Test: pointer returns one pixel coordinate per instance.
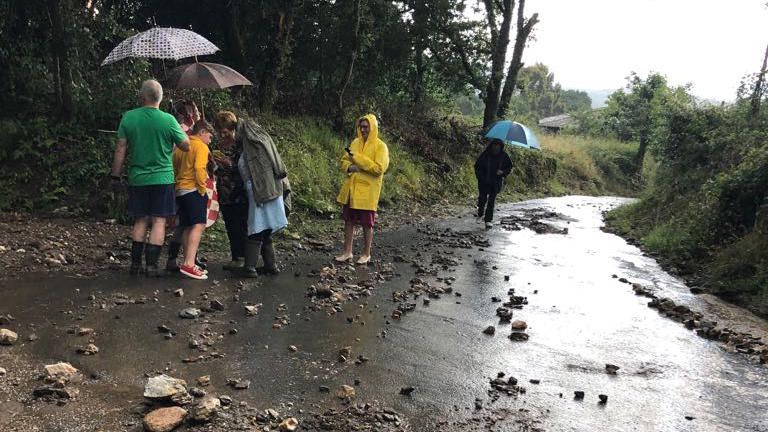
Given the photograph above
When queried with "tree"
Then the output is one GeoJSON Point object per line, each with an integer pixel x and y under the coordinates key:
{"type": "Point", "coordinates": [278, 53]}
{"type": "Point", "coordinates": [477, 50]}
{"type": "Point", "coordinates": [524, 30]}
{"type": "Point", "coordinates": [633, 113]}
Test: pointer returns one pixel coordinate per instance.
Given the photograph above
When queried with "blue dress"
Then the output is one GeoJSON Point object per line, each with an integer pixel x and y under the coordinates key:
{"type": "Point", "coordinates": [269, 215]}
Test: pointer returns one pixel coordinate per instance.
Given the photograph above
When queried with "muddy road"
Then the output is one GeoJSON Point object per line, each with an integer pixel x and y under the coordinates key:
{"type": "Point", "coordinates": [406, 333]}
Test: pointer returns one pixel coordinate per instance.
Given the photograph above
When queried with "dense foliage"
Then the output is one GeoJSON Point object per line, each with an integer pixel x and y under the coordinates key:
{"type": "Point", "coordinates": [706, 212]}
{"type": "Point", "coordinates": [407, 61]}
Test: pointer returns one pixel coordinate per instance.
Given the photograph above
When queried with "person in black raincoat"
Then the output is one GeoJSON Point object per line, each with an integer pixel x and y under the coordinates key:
{"type": "Point", "coordinates": [490, 169]}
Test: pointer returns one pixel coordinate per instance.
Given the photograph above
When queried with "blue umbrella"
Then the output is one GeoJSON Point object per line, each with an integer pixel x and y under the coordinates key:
{"type": "Point", "coordinates": [513, 133]}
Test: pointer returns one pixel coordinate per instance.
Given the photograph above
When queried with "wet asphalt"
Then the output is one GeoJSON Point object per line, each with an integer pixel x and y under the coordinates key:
{"type": "Point", "coordinates": [579, 318]}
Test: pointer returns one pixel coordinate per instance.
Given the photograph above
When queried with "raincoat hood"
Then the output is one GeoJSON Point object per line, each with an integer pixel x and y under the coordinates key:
{"type": "Point", "coordinates": [373, 135]}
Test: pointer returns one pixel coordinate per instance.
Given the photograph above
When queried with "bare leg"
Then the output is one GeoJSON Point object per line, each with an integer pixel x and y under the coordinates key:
{"type": "Point", "coordinates": [139, 229]}
{"type": "Point", "coordinates": [192, 237]}
{"type": "Point", "coordinates": [349, 237]}
{"type": "Point", "coordinates": [157, 235]}
{"type": "Point", "coordinates": [368, 236]}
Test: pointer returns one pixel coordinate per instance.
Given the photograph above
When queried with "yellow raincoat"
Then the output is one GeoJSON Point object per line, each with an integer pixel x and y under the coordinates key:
{"type": "Point", "coordinates": [361, 190]}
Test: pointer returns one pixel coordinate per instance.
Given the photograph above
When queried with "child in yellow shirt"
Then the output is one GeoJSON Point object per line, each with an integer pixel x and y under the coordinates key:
{"type": "Point", "coordinates": [191, 198]}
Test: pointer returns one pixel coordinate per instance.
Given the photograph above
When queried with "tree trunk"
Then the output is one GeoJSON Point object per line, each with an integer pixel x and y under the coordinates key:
{"type": "Point", "coordinates": [420, 18]}
{"type": "Point", "coordinates": [524, 30]}
{"type": "Point", "coordinates": [279, 56]}
{"type": "Point", "coordinates": [500, 42]}
{"type": "Point", "coordinates": [59, 11]}
{"type": "Point", "coordinates": [757, 95]}
{"type": "Point", "coordinates": [640, 156]}
{"type": "Point", "coordinates": [233, 35]}
{"type": "Point", "coordinates": [357, 14]}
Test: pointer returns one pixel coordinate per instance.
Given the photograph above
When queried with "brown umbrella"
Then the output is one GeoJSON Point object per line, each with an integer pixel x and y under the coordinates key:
{"type": "Point", "coordinates": [204, 76]}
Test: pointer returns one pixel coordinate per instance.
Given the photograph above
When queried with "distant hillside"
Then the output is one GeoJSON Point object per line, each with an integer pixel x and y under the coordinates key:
{"type": "Point", "coordinates": [599, 96]}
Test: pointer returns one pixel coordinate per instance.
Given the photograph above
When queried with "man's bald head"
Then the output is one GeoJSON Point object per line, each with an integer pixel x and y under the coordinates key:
{"type": "Point", "coordinates": [151, 93]}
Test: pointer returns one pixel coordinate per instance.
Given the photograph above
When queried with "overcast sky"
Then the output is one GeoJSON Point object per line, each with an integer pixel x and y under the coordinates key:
{"type": "Point", "coordinates": [594, 44]}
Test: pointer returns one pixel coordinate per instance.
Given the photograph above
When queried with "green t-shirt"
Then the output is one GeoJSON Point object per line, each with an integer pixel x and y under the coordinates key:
{"type": "Point", "coordinates": [151, 135]}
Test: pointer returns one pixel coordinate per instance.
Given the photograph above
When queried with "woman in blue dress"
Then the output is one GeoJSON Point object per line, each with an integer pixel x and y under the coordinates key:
{"type": "Point", "coordinates": [265, 183]}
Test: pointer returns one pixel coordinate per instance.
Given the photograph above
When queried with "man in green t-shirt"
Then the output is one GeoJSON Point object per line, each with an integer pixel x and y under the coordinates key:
{"type": "Point", "coordinates": [148, 135]}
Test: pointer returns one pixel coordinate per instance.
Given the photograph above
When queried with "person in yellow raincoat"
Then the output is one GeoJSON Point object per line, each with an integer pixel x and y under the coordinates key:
{"type": "Point", "coordinates": [364, 164]}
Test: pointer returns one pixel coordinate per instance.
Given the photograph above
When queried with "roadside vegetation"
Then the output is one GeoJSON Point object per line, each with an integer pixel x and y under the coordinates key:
{"type": "Point", "coordinates": [704, 213]}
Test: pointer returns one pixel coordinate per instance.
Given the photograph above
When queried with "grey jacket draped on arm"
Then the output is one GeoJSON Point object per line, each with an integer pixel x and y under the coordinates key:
{"type": "Point", "coordinates": [268, 173]}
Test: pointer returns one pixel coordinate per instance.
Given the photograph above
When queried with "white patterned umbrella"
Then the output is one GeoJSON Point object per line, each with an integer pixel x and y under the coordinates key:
{"type": "Point", "coordinates": [163, 43]}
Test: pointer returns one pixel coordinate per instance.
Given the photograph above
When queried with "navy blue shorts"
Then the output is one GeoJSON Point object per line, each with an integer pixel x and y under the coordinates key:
{"type": "Point", "coordinates": [193, 209]}
{"type": "Point", "coordinates": [151, 200]}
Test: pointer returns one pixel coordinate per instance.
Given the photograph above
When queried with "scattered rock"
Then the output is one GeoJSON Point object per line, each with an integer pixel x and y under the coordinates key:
{"type": "Point", "coordinates": [292, 348]}
{"type": "Point", "coordinates": [225, 400]}
{"type": "Point", "coordinates": [8, 337]}
{"type": "Point", "coordinates": [217, 305]}
{"type": "Point", "coordinates": [48, 391]}
{"type": "Point", "coordinates": [239, 384]}
{"type": "Point", "coordinates": [611, 369]}
{"type": "Point", "coordinates": [603, 398]}
{"type": "Point", "coordinates": [345, 392]}
{"type": "Point", "coordinates": [179, 292]}
{"type": "Point", "coordinates": [88, 350]}
{"type": "Point", "coordinates": [206, 409]}
{"type": "Point", "coordinates": [490, 330]}
{"type": "Point", "coordinates": [324, 389]}
{"type": "Point", "coordinates": [252, 310]}
{"type": "Point", "coordinates": [407, 390]}
{"type": "Point", "coordinates": [534, 381]}
{"type": "Point", "coordinates": [164, 419]}
{"type": "Point", "coordinates": [164, 387]}
{"type": "Point", "coordinates": [61, 372]}
{"type": "Point", "coordinates": [3, 372]}
{"type": "Point", "coordinates": [578, 395]}
{"type": "Point", "coordinates": [190, 313]}
{"type": "Point", "coordinates": [519, 325]}
{"type": "Point", "coordinates": [289, 425]}
{"type": "Point", "coordinates": [85, 331]}
{"type": "Point", "coordinates": [204, 381]}
{"type": "Point", "coordinates": [519, 336]}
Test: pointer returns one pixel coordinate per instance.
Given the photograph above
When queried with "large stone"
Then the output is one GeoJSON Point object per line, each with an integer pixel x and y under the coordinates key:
{"type": "Point", "coordinates": [163, 386]}
{"type": "Point", "coordinates": [164, 419]}
{"type": "Point", "coordinates": [60, 372]}
{"type": "Point", "coordinates": [8, 337]}
{"type": "Point", "coordinates": [206, 409]}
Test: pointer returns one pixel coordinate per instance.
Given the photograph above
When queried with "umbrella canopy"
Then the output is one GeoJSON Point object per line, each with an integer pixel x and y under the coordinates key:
{"type": "Point", "coordinates": [513, 133]}
{"type": "Point", "coordinates": [163, 43]}
{"type": "Point", "coordinates": [204, 76]}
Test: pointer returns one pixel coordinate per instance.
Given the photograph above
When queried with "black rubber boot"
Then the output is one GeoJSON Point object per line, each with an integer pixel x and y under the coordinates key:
{"type": "Point", "coordinates": [152, 256]}
{"type": "Point", "coordinates": [268, 254]}
{"type": "Point", "coordinates": [137, 251]}
{"type": "Point", "coordinates": [235, 265]}
{"type": "Point", "coordinates": [252, 251]}
{"type": "Point", "coordinates": [171, 266]}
